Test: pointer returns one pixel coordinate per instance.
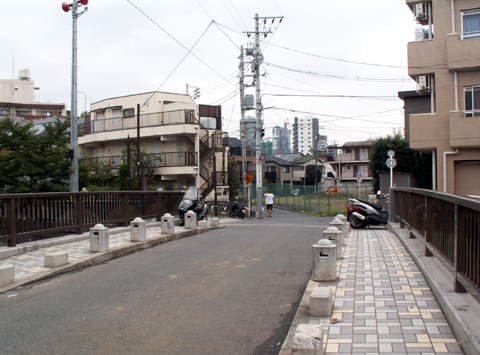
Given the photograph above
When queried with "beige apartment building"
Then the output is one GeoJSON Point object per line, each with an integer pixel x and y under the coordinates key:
{"type": "Point", "coordinates": [445, 62]}
{"type": "Point", "coordinates": [186, 139]}
{"type": "Point", "coordinates": [17, 100]}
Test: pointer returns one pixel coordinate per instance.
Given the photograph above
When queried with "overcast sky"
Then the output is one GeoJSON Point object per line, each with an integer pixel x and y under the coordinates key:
{"type": "Point", "coordinates": [342, 61]}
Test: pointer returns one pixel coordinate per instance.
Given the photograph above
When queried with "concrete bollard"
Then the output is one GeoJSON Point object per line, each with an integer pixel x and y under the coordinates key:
{"type": "Point", "coordinates": [7, 275]}
{"type": "Point", "coordinates": [341, 227]}
{"type": "Point", "coordinates": [168, 224]}
{"type": "Point", "coordinates": [215, 222]}
{"type": "Point", "coordinates": [56, 259]}
{"type": "Point", "coordinates": [308, 340]}
{"type": "Point", "coordinates": [138, 230]}
{"type": "Point", "coordinates": [99, 241]}
{"type": "Point", "coordinates": [202, 224]}
{"type": "Point", "coordinates": [190, 220]}
{"type": "Point", "coordinates": [321, 302]}
{"type": "Point", "coordinates": [335, 236]}
{"type": "Point", "coordinates": [324, 261]}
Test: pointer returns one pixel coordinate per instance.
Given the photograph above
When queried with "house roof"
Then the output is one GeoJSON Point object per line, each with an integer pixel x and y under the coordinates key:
{"type": "Point", "coordinates": [278, 161]}
{"type": "Point", "coordinates": [289, 156]}
{"type": "Point", "coordinates": [357, 144]}
{"type": "Point", "coordinates": [233, 142]}
{"type": "Point", "coordinates": [302, 160]}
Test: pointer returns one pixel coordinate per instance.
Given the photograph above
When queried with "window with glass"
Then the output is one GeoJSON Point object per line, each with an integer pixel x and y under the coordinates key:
{"type": "Point", "coordinates": [286, 169]}
{"type": "Point", "coordinates": [472, 101]}
{"type": "Point", "coordinates": [471, 23]}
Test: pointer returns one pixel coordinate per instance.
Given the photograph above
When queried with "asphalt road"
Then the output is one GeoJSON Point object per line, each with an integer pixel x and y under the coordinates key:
{"type": "Point", "coordinates": [229, 291]}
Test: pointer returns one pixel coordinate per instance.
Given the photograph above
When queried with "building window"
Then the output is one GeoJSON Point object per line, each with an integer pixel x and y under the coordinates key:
{"type": "Point", "coordinates": [286, 169]}
{"type": "Point", "coordinates": [180, 152]}
{"type": "Point", "coordinates": [471, 23]}
{"type": "Point", "coordinates": [129, 112]}
{"type": "Point", "coordinates": [472, 101]}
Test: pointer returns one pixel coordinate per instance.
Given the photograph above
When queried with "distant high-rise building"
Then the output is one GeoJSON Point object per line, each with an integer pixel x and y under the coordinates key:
{"type": "Point", "coordinates": [305, 135]}
{"type": "Point", "coordinates": [283, 141]}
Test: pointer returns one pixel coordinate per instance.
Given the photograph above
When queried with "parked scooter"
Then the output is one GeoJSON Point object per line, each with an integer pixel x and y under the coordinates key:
{"type": "Point", "coordinates": [237, 211]}
{"type": "Point", "coordinates": [191, 202]}
{"type": "Point", "coordinates": [363, 213]}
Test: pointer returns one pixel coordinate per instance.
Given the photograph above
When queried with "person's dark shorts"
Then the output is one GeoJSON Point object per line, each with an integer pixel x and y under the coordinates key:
{"type": "Point", "coordinates": [270, 207]}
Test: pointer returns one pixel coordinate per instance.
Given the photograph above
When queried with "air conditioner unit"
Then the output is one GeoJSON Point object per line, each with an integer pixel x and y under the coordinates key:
{"type": "Point", "coordinates": [420, 11]}
{"type": "Point", "coordinates": [423, 84]}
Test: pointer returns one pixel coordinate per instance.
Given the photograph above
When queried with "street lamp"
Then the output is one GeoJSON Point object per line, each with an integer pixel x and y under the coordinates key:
{"type": "Point", "coordinates": [73, 123]}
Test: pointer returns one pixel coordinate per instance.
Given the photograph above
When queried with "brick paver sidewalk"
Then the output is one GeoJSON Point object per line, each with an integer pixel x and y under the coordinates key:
{"type": "Point", "coordinates": [383, 304]}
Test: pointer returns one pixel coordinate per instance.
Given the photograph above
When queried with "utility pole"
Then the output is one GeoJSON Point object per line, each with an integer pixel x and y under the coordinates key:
{"type": "Point", "coordinates": [258, 108]}
{"type": "Point", "coordinates": [73, 110]}
{"type": "Point", "coordinates": [242, 119]}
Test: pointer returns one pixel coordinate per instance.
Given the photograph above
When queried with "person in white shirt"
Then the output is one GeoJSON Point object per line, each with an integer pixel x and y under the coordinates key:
{"type": "Point", "coordinates": [269, 200]}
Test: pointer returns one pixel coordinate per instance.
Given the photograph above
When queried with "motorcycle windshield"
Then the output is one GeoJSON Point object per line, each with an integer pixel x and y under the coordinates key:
{"type": "Point", "coordinates": [191, 193]}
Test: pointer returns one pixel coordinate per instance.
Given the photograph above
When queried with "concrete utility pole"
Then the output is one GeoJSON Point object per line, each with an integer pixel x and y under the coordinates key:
{"type": "Point", "coordinates": [258, 108]}
{"type": "Point", "coordinates": [73, 109]}
{"type": "Point", "coordinates": [242, 118]}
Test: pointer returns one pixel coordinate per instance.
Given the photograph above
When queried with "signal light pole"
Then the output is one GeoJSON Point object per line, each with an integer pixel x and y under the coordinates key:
{"type": "Point", "coordinates": [73, 109]}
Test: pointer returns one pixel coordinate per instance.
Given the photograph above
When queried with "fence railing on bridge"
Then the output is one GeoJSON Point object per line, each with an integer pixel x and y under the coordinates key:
{"type": "Point", "coordinates": [450, 225]}
{"type": "Point", "coordinates": [26, 216]}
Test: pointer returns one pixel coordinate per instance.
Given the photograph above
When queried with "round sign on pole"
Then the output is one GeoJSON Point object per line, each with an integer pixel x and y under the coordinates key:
{"type": "Point", "coordinates": [391, 153]}
{"type": "Point", "coordinates": [391, 163]}
{"type": "Point", "coordinates": [262, 157]}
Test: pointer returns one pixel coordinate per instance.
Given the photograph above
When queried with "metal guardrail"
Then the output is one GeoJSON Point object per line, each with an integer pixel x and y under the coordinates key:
{"type": "Point", "coordinates": [450, 225]}
{"type": "Point", "coordinates": [23, 216]}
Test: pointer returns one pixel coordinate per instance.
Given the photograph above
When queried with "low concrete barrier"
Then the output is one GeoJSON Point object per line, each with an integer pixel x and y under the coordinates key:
{"type": "Point", "coordinates": [99, 241]}
{"type": "Point", "coordinates": [308, 340]}
{"type": "Point", "coordinates": [56, 259]}
{"type": "Point", "coordinates": [214, 222]}
{"type": "Point", "coordinates": [324, 261]}
{"type": "Point", "coordinates": [7, 275]}
{"type": "Point", "coordinates": [138, 230]}
{"type": "Point", "coordinates": [202, 224]}
{"type": "Point", "coordinates": [190, 220]}
{"type": "Point", "coordinates": [321, 302]}
{"type": "Point", "coordinates": [168, 224]}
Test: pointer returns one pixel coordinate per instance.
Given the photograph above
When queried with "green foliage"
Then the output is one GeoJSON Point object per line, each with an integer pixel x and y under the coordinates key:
{"type": "Point", "coordinates": [122, 177]}
{"type": "Point", "coordinates": [310, 174]}
{"type": "Point", "coordinates": [148, 162]}
{"type": "Point", "coordinates": [408, 160]}
{"type": "Point", "coordinates": [32, 162]}
{"type": "Point", "coordinates": [233, 178]}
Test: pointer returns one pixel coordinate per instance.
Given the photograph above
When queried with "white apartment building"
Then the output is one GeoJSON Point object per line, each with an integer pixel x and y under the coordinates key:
{"type": "Point", "coordinates": [305, 135]}
{"type": "Point", "coordinates": [185, 138]}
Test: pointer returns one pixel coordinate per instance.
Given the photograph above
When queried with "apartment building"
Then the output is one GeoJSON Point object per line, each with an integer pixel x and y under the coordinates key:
{"type": "Point", "coordinates": [445, 63]}
{"type": "Point", "coordinates": [353, 159]}
{"type": "Point", "coordinates": [282, 141]}
{"type": "Point", "coordinates": [305, 135]}
{"type": "Point", "coordinates": [186, 139]}
{"type": "Point", "coordinates": [17, 99]}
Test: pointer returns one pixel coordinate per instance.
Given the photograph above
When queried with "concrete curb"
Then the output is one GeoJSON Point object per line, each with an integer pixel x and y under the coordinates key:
{"type": "Point", "coordinates": [460, 309]}
{"type": "Point", "coordinates": [101, 257]}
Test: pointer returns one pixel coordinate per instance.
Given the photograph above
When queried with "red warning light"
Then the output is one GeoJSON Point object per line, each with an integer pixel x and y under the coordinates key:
{"type": "Point", "coordinates": [84, 2]}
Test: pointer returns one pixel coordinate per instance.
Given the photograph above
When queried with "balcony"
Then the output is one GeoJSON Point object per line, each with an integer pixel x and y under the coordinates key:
{"type": "Point", "coordinates": [464, 130]}
{"type": "Point", "coordinates": [146, 120]}
{"type": "Point", "coordinates": [462, 54]}
{"type": "Point", "coordinates": [425, 54]}
{"type": "Point", "coordinates": [160, 160]}
{"type": "Point", "coordinates": [426, 130]}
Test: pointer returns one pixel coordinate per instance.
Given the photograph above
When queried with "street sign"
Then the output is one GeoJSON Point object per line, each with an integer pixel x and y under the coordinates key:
{"type": "Point", "coordinates": [327, 190]}
{"type": "Point", "coordinates": [259, 188]}
{"type": "Point", "coordinates": [391, 163]}
{"type": "Point", "coordinates": [262, 157]}
{"type": "Point", "coordinates": [334, 190]}
{"type": "Point", "coordinates": [391, 153]}
{"type": "Point", "coordinates": [248, 178]}
{"type": "Point", "coordinates": [359, 177]}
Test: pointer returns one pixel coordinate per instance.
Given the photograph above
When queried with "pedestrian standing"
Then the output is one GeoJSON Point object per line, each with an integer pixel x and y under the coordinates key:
{"type": "Point", "coordinates": [269, 200]}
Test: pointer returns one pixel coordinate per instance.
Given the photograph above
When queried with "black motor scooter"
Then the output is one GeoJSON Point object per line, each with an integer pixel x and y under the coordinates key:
{"type": "Point", "coordinates": [190, 202]}
{"type": "Point", "coordinates": [237, 211]}
{"type": "Point", "coordinates": [363, 213]}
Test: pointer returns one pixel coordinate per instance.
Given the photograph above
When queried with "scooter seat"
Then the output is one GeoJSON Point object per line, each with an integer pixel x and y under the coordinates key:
{"type": "Point", "coordinates": [377, 206]}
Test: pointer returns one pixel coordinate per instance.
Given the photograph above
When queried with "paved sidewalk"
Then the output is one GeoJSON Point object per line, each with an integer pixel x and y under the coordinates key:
{"type": "Point", "coordinates": [382, 303]}
{"type": "Point", "coordinates": [29, 260]}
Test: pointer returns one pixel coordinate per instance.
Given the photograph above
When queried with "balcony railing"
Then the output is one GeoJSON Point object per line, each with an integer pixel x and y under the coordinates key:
{"type": "Point", "coordinates": [146, 120]}
{"type": "Point", "coordinates": [159, 160]}
{"type": "Point", "coordinates": [450, 225]}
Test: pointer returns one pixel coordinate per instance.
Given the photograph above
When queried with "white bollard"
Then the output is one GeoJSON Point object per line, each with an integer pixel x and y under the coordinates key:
{"type": "Point", "coordinates": [138, 230]}
{"type": "Point", "coordinates": [215, 222]}
{"type": "Point", "coordinates": [335, 236]}
{"type": "Point", "coordinates": [321, 302]}
{"type": "Point", "coordinates": [324, 261]}
{"type": "Point", "coordinates": [56, 259]}
{"type": "Point", "coordinates": [308, 340]}
{"type": "Point", "coordinates": [341, 227]}
{"type": "Point", "coordinates": [7, 275]}
{"type": "Point", "coordinates": [168, 224]}
{"type": "Point", "coordinates": [202, 224]}
{"type": "Point", "coordinates": [99, 241]}
{"type": "Point", "coordinates": [190, 220]}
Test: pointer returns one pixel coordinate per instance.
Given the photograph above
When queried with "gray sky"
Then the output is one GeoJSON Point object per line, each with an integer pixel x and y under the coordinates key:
{"type": "Point", "coordinates": [121, 51]}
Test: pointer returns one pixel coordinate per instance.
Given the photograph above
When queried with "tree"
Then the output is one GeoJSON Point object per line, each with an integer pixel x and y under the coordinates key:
{"type": "Point", "coordinates": [233, 178]}
{"type": "Point", "coordinates": [310, 174]}
{"type": "Point", "coordinates": [33, 162]}
{"type": "Point", "coordinates": [408, 160]}
{"type": "Point", "coordinates": [148, 162]}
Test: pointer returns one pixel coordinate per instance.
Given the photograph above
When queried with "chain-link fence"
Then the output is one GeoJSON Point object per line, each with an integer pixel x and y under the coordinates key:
{"type": "Point", "coordinates": [321, 200]}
